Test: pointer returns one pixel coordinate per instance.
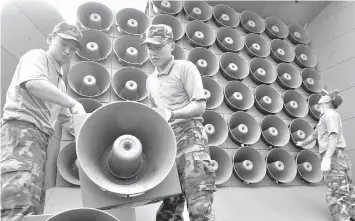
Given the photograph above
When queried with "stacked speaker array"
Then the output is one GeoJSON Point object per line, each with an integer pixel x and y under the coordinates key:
{"type": "Point", "coordinates": [259, 78]}
{"type": "Point", "coordinates": [261, 86]}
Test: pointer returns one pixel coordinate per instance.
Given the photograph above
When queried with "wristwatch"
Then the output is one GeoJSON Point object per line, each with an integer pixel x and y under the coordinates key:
{"type": "Point", "coordinates": [172, 117]}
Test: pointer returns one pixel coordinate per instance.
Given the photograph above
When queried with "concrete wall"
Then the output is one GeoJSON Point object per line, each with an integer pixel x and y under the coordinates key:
{"type": "Point", "coordinates": [333, 34]}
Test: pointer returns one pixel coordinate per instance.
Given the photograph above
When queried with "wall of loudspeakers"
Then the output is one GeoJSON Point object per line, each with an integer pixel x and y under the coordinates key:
{"type": "Point", "coordinates": [259, 77]}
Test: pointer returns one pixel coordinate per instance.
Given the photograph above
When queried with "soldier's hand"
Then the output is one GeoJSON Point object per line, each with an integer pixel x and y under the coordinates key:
{"type": "Point", "coordinates": [299, 143]}
{"type": "Point", "coordinates": [78, 109]}
{"type": "Point", "coordinates": [325, 165]}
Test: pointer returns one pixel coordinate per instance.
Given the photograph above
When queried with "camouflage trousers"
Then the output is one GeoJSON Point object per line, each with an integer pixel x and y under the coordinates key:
{"type": "Point", "coordinates": [340, 196]}
{"type": "Point", "coordinates": [197, 177]}
{"type": "Point", "coordinates": [23, 155]}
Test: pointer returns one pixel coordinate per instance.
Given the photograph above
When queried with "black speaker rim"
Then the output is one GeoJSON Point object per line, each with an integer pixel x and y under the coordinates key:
{"type": "Point", "coordinates": [98, 3]}
{"type": "Point", "coordinates": [123, 32]}
{"type": "Point", "coordinates": [270, 32]}
{"type": "Point", "coordinates": [161, 12]}
{"type": "Point", "coordinates": [246, 29]}
{"type": "Point", "coordinates": [191, 18]}
{"type": "Point", "coordinates": [234, 139]}
{"type": "Point", "coordinates": [219, 24]}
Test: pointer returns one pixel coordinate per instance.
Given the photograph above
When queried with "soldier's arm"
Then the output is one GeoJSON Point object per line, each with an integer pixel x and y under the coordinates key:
{"type": "Point", "coordinates": [65, 119]}
{"type": "Point", "coordinates": [192, 82]}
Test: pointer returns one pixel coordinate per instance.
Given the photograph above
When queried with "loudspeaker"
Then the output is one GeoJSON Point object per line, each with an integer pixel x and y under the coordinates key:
{"type": "Point", "coordinates": [89, 79]}
{"type": "Point", "coordinates": [225, 165]}
{"type": "Point", "coordinates": [178, 53]}
{"type": "Point", "coordinates": [238, 96]}
{"type": "Point", "coordinates": [274, 131]}
{"type": "Point", "coordinates": [213, 92]}
{"type": "Point", "coordinates": [301, 130]}
{"type": "Point", "coordinates": [243, 128]}
{"type": "Point", "coordinates": [249, 165]}
{"type": "Point", "coordinates": [261, 71]}
{"type": "Point", "coordinates": [205, 61]}
{"type": "Point", "coordinates": [130, 52]}
{"type": "Point", "coordinates": [199, 34]}
{"type": "Point", "coordinates": [288, 77]}
{"type": "Point", "coordinates": [295, 105]}
{"type": "Point", "coordinates": [174, 23]}
{"type": "Point", "coordinates": [216, 128]}
{"type": "Point", "coordinates": [90, 105]}
{"type": "Point", "coordinates": [275, 28]}
{"type": "Point", "coordinates": [88, 214]}
{"type": "Point", "coordinates": [197, 10]}
{"type": "Point", "coordinates": [131, 21]}
{"type": "Point", "coordinates": [305, 57]}
{"type": "Point", "coordinates": [298, 34]}
{"type": "Point", "coordinates": [233, 67]}
{"type": "Point", "coordinates": [94, 15]}
{"type": "Point", "coordinates": [122, 157]}
{"type": "Point", "coordinates": [167, 7]}
{"type": "Point", "coordinates": [68, 165]}
{"type": "Point", "coordinates": [281, 167]}
{"type": "Point", "coordinates": [97, 46]}
{"type": "Point", "coordinates": [224, 15]}
{"type": "Point", "coordinates": [129, 83]}
{"type": "Point", "coordinates": [229, 40]}
{"type": "Point", "coordinates": [281, 52]}
{"type": "Point", "coordinates": [256, 46]}
{"type": "Point", "coordinates": [312, 81]}
{"type": "Point", "coordinates": [308, 166]}
{"type": "Point", "coordinates": [314, 108]}
{"type": "Point", "coordinates": [252, 22]}
{"type": "Point", "coordinates": [268, 100]}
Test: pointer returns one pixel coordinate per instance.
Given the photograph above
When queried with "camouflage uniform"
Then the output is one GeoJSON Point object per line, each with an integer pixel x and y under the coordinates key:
{"type": "Point", "coordinates": [340, 196]}
{"type": "Point", "coordinates": [23, 155]}
{"type": "Point", "coordinates": [197, 177]}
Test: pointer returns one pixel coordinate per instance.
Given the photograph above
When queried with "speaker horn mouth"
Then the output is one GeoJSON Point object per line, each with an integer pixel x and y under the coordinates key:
{"type": "Point", "coordinates": [280, 166]}
{"type": "Point", "coordinates": [131, 21]}
{"type": "Point", "coordinates": [197, 10]}
{"type": "Point", "coordinates": [312, 81]}
{"type": "Point", "coordinates": [233, 67]}
{"type": "Point", "coordinates": [288, 77]}
{"type": "Point", "coordinates": [229, 40]}
{"type": "Point", "coordinates": [298, 34]}
{"type": "Point", "coordinates": [130, 52]}
{"type": "Point", "coordinates": [88, 214]}
{"type": "Point", "coordinates": [225, 16]}
{"type": "Point", "coordinates": [68, 165]}
{"type": "Point", "coordinates": [275, 28]}
{"type": "Point", "coordinates": [216, 128]}
{"type": "Point", "coordinates": [243, 128]}
{"type": "Point", "coordinates": [90, 105]}
{"type": "Point", "coordinates": [268, 100]}
{"type": "Point", "coordinates": [295, 105]}
{"type": "Point", "coordinates": [274, 131]}
{"type": "Point", "coordinates": [261, 71]}
{"type": "Point", "coordinates": [224, 162]}
{"type": "Point", "coordinates": [213, 92]}
{"type": "Point", "coordinates": [167, 7]}
{"type": "Point", "coordinates": [199, 34]}
{"type": "Point", "coordinates": [205, 61]}
{"type": "Point", "coordinates": [308, 167]}
{"type": "Point", "coordinates": [314, 108]}
{"type": "Point", "coordinates": [281, 52]}
{"type": "Point", "coordinates": [300, 130]}
{"type": "Point", "coordinates": [305, 57]}
{"type": "Point", "coordinates": [238, 96]}
{"type": "Point", "coordinates": [94, 16]}
{"type": "Point", "coordinates": [252, 22]}
{"type": "Point", "coordinates": [256, 46]}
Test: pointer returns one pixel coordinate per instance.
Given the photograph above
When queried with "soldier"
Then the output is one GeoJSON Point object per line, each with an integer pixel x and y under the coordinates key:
{"type": "Point", "coordinates": [35, 101]}
{"type": "Point", "coordinates": [176, 86]}
{"type": "Point", "coordinates": [335, 163]}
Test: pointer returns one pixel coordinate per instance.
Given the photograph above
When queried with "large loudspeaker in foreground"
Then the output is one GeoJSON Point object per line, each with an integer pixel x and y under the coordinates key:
{"type": "Point", "coordinates": [312, 81]}
{"type": "Point", "coordinates": [197, 10]}
{"type": "Point", "coordinates": [131, 21]}
{"type": "Point", "coordinates": [274, 131]}
{"type": "Point", "coordinates": [229, 40]}
{"type": "Point", "coordinates": [94, 15]}
{"type": "Point", "coordinates": [267, 100]}
{"type": "Point", "coordinates": [243, 128]}
{"type": "Point", "coordinates": [97, 46]}
{"type": "Point", "coordinates": [281, 167]}
{"type": "Point", "coordinates": [301, 130]}
{"type": "Point", "coordinates": [314, 108]}
{"type": "Point", "coordinates": [288, 77]}
{"type": "Point", "coordinates": [256, 46]}
{"type": "Point", "coordinates": [249, 165]}
{"type": "Point", "coordinates": [225, 165]}
{"type": "Point", "coordinates": [252, 22]}
{"type": "Point", "coordinates": [213, 92]}
{"type": "Point", "coordinates": [129, 83]}
{"type": "Point", "coordinates": [308, 166]}
{"type": "Point", "coordinates": [233, 67]}
{"type": "Point", "coordinates": [295, 105]}
{"type": "Point", "coordinates": [205, 61]}
{"type": "Point", "coordinates": [120, 153]}
{"type": "Point", "coordinates": [262, 71]}
{"type": "Point", "coordinates": [174, 23]}
{"type": "Point", "coordinates": [215, 127]}
{"type": "Point", "coordinates": [167, 7]}
{"type": "Point", "coordinates": [90, 105]}
{"type": "Point", "coordinates": [275, 28]}
{"type": "Point", "coordinates": [89, 79]}
{"type": "Point", "coordinates": [298, 34]}
{"type": "Point", "coordinates": [224, 15]}
{"type": "Point", "coordinates": [178, 53]}
{"type": "Point", "coordinates": [238, 96]}
{"type": "Point", "coordinates": [68, 165]}
{"type": "Point", "coordinates": [87, 214]}
{"type": "Point", "coordinates": [281, 51]}
{"type": "Point", "coordinates": [305, 57]}
{"type": "Point", "coordinates": [129, 51]}
{"type": "Point", "coordinates": [199, 34]}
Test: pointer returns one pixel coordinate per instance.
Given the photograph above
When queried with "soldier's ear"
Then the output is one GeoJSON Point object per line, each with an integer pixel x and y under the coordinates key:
{"type": "Point", "coordinates": [172, 45]}
{"type": "Point", "coordinates": [49, 39]}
